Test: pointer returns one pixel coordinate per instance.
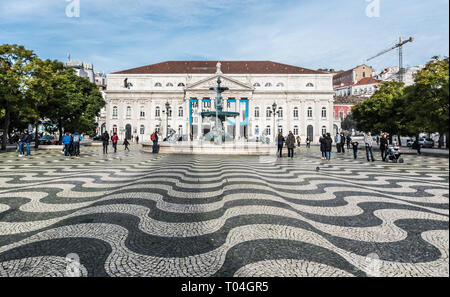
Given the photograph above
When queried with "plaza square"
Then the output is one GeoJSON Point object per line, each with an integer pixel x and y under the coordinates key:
{"type": "Point", "coordinates": [141, 214]}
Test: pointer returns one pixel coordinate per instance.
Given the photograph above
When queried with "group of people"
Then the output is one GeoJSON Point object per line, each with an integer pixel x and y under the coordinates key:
{"type": "Point", "coordinates": [24, 141]}
{"type": "Point", "coordinates": [71, 144]}
{"type": "Point", "coordinates": [114, 140]}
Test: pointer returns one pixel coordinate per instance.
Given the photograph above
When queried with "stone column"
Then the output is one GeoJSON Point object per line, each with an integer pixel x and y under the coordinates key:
{"type": "Point", "coordinates": [238, 118]}
{"type": "Point", "coordinates": [317, 118]}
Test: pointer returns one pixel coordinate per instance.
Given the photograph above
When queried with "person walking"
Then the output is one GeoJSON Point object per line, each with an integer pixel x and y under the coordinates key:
{"type": "Point", "coordinates": [323, 146]}
{"type": "Point", "coordinates": [338, 142]}
{"type": "Point", "coordinates": [105, 140]}
{"type": "Point", "coordinates": [308, 142]}
{"type": "Point", "coordinates": [126, 143]}
{"type": "Point", "coordinates": [21, 144]}
{"type": "Point", "coordinates": [349, 141]}
{"type": "Point", "coordinates": [114, 140]}
{"type": "Point", "coordinates": [299, 141]}
{"type": "Point", "coordinates": [154, 138]}
{"type": "Point", "coordinates": [368, 140]}
{"type": "Point", "coordinates": [290, 143]}
{"type": "Point", "coordinates": [280, 141]}
{"type": "Point", "coordinates": [66, 139]}
{"type": "Point", "coordinates": [383, 146]}
{"type": "Point", "coordinates": [137, 139]}
{"type": "Point", "coordinates": [76, 143]}
{"type": "Point", "coordinates": [355, 145]}
{"type": "Point", "coordinates": [328, 146]}
{"type": "Point", "coordinates": [343, 143]}
{"type": "Point", "coordinates": [27, 140]}
{"type": "Point", "coordinates": [416, 145]}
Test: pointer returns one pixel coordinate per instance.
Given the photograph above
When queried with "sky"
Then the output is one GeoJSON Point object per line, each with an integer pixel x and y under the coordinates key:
{"type": "Point", "coordinates": [116, 35]}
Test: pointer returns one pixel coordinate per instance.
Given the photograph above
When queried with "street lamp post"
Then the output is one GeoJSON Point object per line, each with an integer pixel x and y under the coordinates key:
{"type": "Point", "coordinates": [167, 119]}
{"type": "Point", "coordinates": [274, 108]}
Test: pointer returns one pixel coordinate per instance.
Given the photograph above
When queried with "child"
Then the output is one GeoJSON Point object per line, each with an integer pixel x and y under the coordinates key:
{"type": "Point", "coordinates": [355, 149]}
{"type": "Point", "coordinates": [126, 144]}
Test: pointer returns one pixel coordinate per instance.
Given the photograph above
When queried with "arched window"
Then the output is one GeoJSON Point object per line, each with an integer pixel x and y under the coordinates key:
{"type": "Point", "coordinates": [180, 111]}
{"type": "Point", "coordinates": [341, 115]}
{"type": "Point", "coordinates": [280, 129]}
{"type": "Point", "coordinates": [280, 112]}
{"type": "Point", "coordinates": [324, 130]}
{"type": "Point", "coordinates": [142, 130]}
{"type": "Point", "coordinates": [324, 112]}
{"type": "Point", "coordinates": [256, 112]}
{"type": "Point", "coordinates": [158, 84]}
{"type": "Point", "coordinates": [157, 112]}
{"type": "Point", "coordinates": [128, 112]}
{"type": "Point", "coordinates": [309, 85]}
{"type": "Point", "coordinates": [142, 112]}
{"type": "Point", "coordinates": [114, 113]}
{"type": "Point", "coordinates": [180, 130]}
{"type": "Point", "coordinates": [157, 129]}
{"type": "Point", "coordinates": [310, 112]}
{"type": "Point", "coordinates": [296, 112]}
{"type": "Point", "coordinates": [268, 85]}
{"type": "Point", "coordinates": [296, 130]}
{"type": "Point", "coordinates": [114, 129]}
{"type": "Point", "coordinates": [280, 84]}
{"type": "Point", "coordinates": [169, 84]}
{"type": "Point", "coordinates": [181, 85]}
{"type": "Point", "coordinates": [268, 112]}
{"type": "Point", "coordinates": [268, 132]}
{"type": "Point", "coordinates": [256, 84]}
{"type": "Point", "coordinates": [169, 112]}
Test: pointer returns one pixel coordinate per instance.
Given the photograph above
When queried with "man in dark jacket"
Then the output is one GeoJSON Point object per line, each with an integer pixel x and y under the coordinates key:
{"type": "Point", "coordinates": [280, 141]}
{"type": "Point", "coordinates": [328, 146]}
{"type": "Point", "coordinates": [322, 146]}
{"type": "Point", "coordinates": [76, 143]}
{"type": "Point", "coordinates": [383, 146]}
{"type": "Point", "coordinates": [290, 143]}
{"type": "Point", "coordinates": [342, 143]}
{"type": "Point", "coordinates": [105, 139]}
{"type": "Point", "coordinates": [26, 140]}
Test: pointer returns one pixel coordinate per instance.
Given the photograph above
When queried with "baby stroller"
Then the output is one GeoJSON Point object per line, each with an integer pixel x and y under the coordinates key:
{"type": "Point", "coordinates": [393, 153]}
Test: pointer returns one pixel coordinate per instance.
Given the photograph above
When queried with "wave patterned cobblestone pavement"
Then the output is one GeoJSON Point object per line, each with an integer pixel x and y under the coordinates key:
{"type": "Point", "coordinates": [138, 214]}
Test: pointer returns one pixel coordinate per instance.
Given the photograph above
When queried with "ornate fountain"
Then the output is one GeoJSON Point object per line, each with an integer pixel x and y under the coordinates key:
{"type": "Point", "coordinates": [218, 134]}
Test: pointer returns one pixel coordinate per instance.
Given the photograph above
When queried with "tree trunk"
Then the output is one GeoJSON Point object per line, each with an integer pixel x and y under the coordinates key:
{"type": "Point", "coordinates": [446, 140]}
{"type": "Point", "coordinates": [399, 140]}
{"type": "Point", "coordinates": [60, 131]}
{"type": "Point", "coordinates": [441, 140]}
{"type": "Point", "coordinates": [6, 128]}
{"type": "Point", "coordinates": [36, 137]}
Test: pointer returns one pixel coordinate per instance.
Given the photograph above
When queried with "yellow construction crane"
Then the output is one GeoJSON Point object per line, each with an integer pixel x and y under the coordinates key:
{"type": "Point", "coordinates": [399, 45]}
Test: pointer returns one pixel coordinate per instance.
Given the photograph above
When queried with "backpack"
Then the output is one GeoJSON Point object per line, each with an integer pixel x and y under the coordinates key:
{"type": "Point", "coordinates": [153, 137]}
{"type": "Point", "coordinates": [76, 138]}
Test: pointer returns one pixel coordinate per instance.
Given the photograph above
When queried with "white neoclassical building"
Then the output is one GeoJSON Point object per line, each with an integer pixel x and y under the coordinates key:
{"type": "Point", "coordinates": [137, 99]}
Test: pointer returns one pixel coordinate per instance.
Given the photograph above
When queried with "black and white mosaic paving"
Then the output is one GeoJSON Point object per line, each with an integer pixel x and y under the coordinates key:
{"type": "Point", "coordinates": [138, 214]}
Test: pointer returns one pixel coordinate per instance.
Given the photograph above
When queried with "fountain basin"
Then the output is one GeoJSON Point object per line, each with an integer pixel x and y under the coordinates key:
{"type": "Point", "coordinates": [209, 148]}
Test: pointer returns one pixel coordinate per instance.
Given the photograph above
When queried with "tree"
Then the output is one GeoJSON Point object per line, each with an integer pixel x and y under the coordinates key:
{"type": "Point", "coordinates": [427, 101]}
{"type": "Point", "coordinates": [14, 60]}
{"type": "Point", "coordinates": [383, 112]}
{"type": "Point", "coordinates": [77, 100]}
{"type": "Point", "coordinates": [348, 123]}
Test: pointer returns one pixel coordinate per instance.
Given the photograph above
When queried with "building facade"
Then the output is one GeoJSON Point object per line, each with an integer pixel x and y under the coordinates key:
{"type": "Point", "coordinates": [137, 99]}
{"type": "Point", "coordinates": [392, 74]}
{"type": "Point", "coordinates": [352, 76]}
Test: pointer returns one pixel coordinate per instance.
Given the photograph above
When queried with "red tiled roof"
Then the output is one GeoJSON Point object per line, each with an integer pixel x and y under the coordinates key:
{"type": "Point", "coordinates": [367, 81]}
{"type": "Point", "coordinates": [231, 67]}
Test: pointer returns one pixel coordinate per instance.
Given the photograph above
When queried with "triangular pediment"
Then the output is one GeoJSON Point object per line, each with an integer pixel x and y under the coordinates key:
{"type": "Point", "coordinates": [206, 84]}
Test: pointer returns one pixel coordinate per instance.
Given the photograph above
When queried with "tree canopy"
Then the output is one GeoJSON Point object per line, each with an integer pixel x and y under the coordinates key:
{"type": "Point", "coordinates": [32, 90]}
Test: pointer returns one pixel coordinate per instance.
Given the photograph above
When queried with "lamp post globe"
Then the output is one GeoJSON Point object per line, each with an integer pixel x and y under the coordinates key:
{"type": "Point", "coordinates": [274, 108]}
